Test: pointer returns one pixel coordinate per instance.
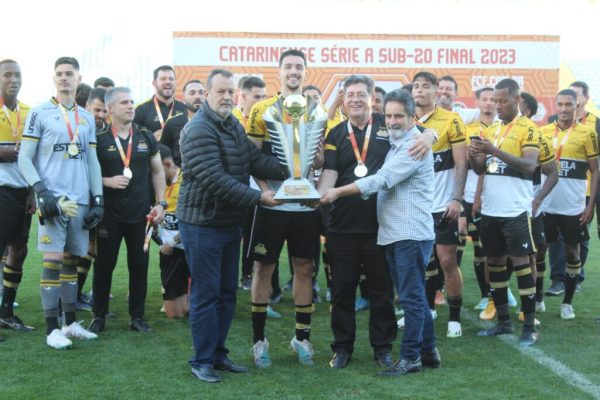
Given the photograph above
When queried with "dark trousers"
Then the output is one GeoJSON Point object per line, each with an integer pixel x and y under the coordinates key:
{"type": "Point", "coordinates": [212, 255]}
{"type": "Point", "coordinates": [407, 261]}
{"type": "Point", "coordinates": [347, 254]}
{"type": "Point", "coordinates": [108, 242]}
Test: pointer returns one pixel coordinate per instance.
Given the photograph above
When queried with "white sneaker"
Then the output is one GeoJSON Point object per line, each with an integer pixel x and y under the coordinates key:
{"type": "Point", "coordinates": [57, 340]}
{"type": "Point", "coordinates": [78, 332]}
{"type": "Point", "coordinates": [482, 304]}
{"type": "Point", "coordinates": [566, 311]}
{"type": "Point", "coordinates": [260, 351]}
{"type": "Point", "coordinates": [401, 322]}
{"type": "Point", "coordinates": [454, 329]}
{"type": "Point", "coordinates": [512, 302]}
{"type": "Point", "coordinates": [540, 306]}
{"type": "Point", "coordinates": [304, 350]}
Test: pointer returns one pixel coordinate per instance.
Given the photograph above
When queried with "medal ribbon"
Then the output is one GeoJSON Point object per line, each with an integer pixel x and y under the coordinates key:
{"type": "Point", "coordinates": [126, 158]}
{"type": "Point", "coordinates": [498, 142]}
{"type": "Point", "coordinates": [360, 157]}
{"type": "Point", "coordinates": [160, 117]}
{"type": "Point", "coordinates": [63, 109]}
{"type": "Point", "coordinates": [421, 121]}
{"type": "Point", "coordinates": [15, 130]}
{"type": "Point", "coordinates": [564, 140]}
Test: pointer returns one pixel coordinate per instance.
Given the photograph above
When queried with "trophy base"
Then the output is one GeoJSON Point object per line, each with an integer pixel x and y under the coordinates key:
{"type": "Point", "coordinates": [296, 190]}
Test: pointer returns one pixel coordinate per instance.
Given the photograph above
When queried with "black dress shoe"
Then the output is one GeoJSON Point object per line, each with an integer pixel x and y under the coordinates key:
{"type": "Point", "coordinates": [340, 360]}
{"type": "Point", "coordinates": [206, 374]}
{"type": "Point", "coordinates": [97, 325]}
{"type": "Point", "coordinates": [402, 367]}
{"type": "Point", "coordinates": [384, 359]}
{"type": "Point", "coordinates": [501, 328]}
{"type": "Point", "coordinates": [432, 359]}
{"type": "Point", "coordinates": [140, 325]}
{"type": "Point", "coordinates": [229, 366]}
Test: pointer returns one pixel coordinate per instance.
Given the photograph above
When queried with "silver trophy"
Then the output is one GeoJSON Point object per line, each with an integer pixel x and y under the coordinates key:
{"type": "Point", "coordinates": [295, 144]}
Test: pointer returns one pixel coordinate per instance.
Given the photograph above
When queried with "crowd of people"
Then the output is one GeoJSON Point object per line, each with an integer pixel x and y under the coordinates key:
{"type": "Point", "coordinates": [405, 178]}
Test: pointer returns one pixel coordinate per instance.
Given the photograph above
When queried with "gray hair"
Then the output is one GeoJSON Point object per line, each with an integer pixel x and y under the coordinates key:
{"type": "Point", "coordinates": [356, 79]}
{"type": "Point", "coordinates": [111, 94]}
{"type": "Point", "coordinates": [403, 97]}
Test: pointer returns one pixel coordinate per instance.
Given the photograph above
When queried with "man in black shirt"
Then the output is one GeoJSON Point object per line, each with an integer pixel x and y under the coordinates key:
{"type": "Point", "coordinates": [193, 96]}
{"type": "Point", "coordinates": [154, 112]}
{"type": "Point", "coordinates": [128, 155]}
{"type": "Point", "coordinates": [355, 149]}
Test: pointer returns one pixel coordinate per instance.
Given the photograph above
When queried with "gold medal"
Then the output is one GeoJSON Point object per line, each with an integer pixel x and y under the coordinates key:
{"type": "Point", "coordinates": [127, 172]}
{"type": "Point", "coordinates": [492, 167]}
{"type": "Point", "coordinates": [73, 149]}
{"type": "Point", "coordinates": [361, 170]}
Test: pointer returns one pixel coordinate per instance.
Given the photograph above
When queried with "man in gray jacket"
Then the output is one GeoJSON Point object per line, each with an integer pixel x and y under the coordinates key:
{"type": "Point", "coordinates": [217, 160]}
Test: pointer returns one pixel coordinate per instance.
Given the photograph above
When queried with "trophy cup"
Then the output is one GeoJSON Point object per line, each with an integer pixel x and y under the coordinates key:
{"type": "Point", "coordinates": [295, 144]}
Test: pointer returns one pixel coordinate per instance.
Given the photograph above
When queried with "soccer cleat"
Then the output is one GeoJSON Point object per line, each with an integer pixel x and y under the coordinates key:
{"type": "Point", "coordinates": [57, 340]}
{"type": "Point", "coordinates": [501, 328]}
{"type": "Point", "coordinates": [482, 304]}
{"type": "Point", "coordinates": [272, 313]}
{"type": "Point", "coordinates": [512, 302]}
{"type": "Point", "coordinates": [14, 323]}
{"type": "Point", "coordinates": [489, 313]}
{"type": "Point", "coordinates": [440, 300]}
{"type": "Point", "coordinates": [304, 350]}
{"type": "Point", "coordinates": [536, 321]}
{"type": "Point", "coordinates": [556, 289]}
{"type": "Point", "coordinates": [566, 311]}
{"type": "Point", "coordinates": [528, 337]}
{"type": "Point", "coordinates": [78, 332]}
{"type": "Point", "coordinates": [260, 351]}
{"type": "Point", "coordinates": [361, 304]}
{"type": "Point", "coordinates": [540, 306]}
{"type": "Point", "coordinates": [246, 283]}
{"type": "Point", "coordinates": [454, 329]}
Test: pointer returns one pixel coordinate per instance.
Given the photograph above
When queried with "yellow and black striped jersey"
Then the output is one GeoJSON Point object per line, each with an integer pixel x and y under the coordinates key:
{"type": "Point", "coordinates": [573, 148]}
{"type": "Point", "coordinates": [10, 175]}
{"type": "Point", "coordinates": [508, 192]}
{"type": "Point", "coordinates": [451, 132]}
{"type": "Point", "coordinates": [475, 128]}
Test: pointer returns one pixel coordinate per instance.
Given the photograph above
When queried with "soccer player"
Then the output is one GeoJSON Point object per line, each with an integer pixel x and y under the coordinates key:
{"type": "Point", "coordinates": [82, 94]}
{"type": "Point", "coordinates": [58, 159]}
{"type": "Point", "coordinates": [296, 223]}
{"type": "Point", "coordinates": [174, 272]}
{"type": "Point", "coordinates": [104, 83]}
{"type": "Point", "coordinates": [378, 96]}
{"type": "Point", "coordinates": [129, 160]}
{"type": "Point", "coordinates": [450, 161]}
{"type": "Point", "coordinates": [528, 105]}
{"type": "Point", "coordinates": [253, 90]}
{"type": "Point", "coordinates": [16, 200]}
{"type": "Point", "coordinates": [154, 112]}
{"type": "Point", "coordinates": [193, 97]}
{"type": "Point", "coordinates": [566, 212]}
{"type": "Point", "coordinates": [508, 155]}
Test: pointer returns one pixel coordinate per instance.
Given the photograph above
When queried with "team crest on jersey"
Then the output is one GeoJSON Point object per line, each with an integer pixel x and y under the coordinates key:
{"type": "Point", "coordinates": [382, 132]}
{"type": "Point", "coordinates": [142, 146]}
{"type": "Point", "coordinates": [260, 249]}
{"type": "Point", "coordinates": [45, 239]}
{"type": "Point", "coordinates": [83, 122]}
{"type": "Point", "coordinates": [111, 148]}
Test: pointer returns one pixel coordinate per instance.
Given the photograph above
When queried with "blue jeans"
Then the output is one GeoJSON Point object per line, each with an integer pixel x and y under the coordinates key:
{"type": "Point", "coordinates": [558, 259]}
{"type": "Point", "coordinates": [212, 256]}
{"type": "Point", "coordinates": [407, 260]}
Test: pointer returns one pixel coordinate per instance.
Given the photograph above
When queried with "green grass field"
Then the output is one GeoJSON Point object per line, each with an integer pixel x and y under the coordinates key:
{"type": "Point", "coordinates": [123, 364]}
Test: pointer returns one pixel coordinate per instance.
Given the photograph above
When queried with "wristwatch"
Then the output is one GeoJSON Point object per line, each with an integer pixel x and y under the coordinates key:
{"type": "Point", "coordinates": [163, 204]}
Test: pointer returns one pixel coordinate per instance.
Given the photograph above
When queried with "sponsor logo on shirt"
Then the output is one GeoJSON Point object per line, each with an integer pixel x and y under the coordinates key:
{"type": "Point", "coordinates": [260, 249]}
{"type": "Point", "coordinates": [45, 239]}
{"type": "Point", "coordinates": [142, 146]}
{"type": "Point", "coordinates": [382, 132]}
{"type": "Point", "coordinates": [111, 148]}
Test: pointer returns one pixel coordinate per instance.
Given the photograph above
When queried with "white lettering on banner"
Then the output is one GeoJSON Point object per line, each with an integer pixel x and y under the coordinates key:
{"type": "Point", "coordinates": [369, 53]}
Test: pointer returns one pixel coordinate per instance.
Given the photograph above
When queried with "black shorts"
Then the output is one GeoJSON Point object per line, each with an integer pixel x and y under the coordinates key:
{"type": "Point", "coordinates": [273, 227]}
{"type": "Point", "coordinates": [14, 220]}
{"type": "Point", "coordinates": [537, 230]}
{"type": "Point", "coordinates": [502, 236]}
{"type": "Point", "coordinates": [569, 227]}
{"type": "Point", "coordinates": [472, 223]}
{"type": "Point", "coordinates": [445, 235]}
{"type": "Point", "coordinates": [174, 274]}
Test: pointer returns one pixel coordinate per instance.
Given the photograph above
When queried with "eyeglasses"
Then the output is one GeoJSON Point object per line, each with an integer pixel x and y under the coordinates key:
{"type": "Point", "coordinates": [359, 95]}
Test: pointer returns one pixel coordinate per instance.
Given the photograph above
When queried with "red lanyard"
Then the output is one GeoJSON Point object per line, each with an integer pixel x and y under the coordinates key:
{"type": "Point", "coordinates": [159, 113]}
{"type": "Point", "coordinates": [126, 158]}
{"type": "Point", "coordinates": [559, 149]}
{"type": "Point", "coordinates": [362, 157]}
{"type": "Point", "coordinates": [63, 109]}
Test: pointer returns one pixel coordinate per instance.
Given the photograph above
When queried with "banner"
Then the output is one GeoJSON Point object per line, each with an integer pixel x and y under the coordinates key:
{"type": "Point", "coordinates": [391, 60]}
